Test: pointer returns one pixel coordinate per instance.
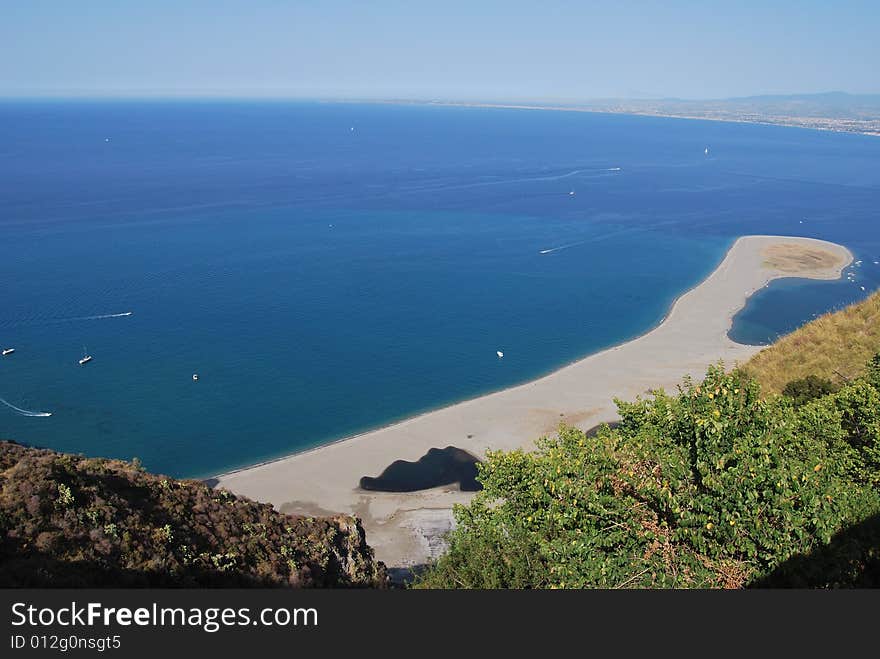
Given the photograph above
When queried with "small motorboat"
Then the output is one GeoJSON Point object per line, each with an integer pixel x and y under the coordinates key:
{"type": "Point", "coordinates": [86, 358]}
{"type": "Point", "coordinates": [195, 377]}
{"type": "Point", "coordinates": [499, 353]}
{"type": "Point", "coordinates": [8, 351]}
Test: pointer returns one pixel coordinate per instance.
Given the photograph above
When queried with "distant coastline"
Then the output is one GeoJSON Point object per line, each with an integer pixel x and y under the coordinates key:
{"type": "Point", "coordinates": [858, 126]}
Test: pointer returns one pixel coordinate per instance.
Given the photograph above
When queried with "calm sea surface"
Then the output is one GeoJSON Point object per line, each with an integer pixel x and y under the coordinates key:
{"type": "Point", "coordinates": [329, 268]}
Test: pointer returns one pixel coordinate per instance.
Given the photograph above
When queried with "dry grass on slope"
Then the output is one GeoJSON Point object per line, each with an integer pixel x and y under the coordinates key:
{"type": "Point", "coordinates": [835, 346]}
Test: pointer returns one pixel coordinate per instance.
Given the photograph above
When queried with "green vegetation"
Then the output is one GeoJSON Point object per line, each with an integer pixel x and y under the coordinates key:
{"type": "Point", "coordinates": [66, 520]}
{"type": "Point", "coordinates": [712, 487]}
{"type": "Point", "coordinates": [809, 388]}
{"type": "Point", "coordinates": [833, 347]}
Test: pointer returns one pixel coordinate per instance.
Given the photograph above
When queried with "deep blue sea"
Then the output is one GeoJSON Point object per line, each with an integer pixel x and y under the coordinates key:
{"type": "Point", "coordinates": [329, 268]}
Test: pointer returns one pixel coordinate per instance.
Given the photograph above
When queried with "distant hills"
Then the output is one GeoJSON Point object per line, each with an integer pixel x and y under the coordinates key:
{"type": "Point", "coordinates": [837, 111]}
{"type": "Point", "coordinates": [832, 98]}
{"type": "Point", "coordinates": [833, 104]}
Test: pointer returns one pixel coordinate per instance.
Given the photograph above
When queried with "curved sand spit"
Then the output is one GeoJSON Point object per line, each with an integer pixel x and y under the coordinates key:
{"type": "Point", "coordinates": [405, 529]}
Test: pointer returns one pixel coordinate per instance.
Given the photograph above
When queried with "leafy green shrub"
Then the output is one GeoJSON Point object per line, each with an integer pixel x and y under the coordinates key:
{"type": "Point", "coordinates": [859, 408]}
{"type": "Point", "coordinates": [809, 388]}
{"type": "Point", "coordinates": [710, 487]}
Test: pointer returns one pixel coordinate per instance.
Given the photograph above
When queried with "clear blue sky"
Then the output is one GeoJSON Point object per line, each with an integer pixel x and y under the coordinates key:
{"type": "Point", "coordinates": [450, 49]}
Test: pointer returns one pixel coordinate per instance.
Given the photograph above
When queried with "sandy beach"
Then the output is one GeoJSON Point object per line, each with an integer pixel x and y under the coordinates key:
{"type": "Point", "coordinates": [406, 528]}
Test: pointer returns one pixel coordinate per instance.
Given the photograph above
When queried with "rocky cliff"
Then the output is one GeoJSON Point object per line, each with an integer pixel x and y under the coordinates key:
{"type": "Point", "coordinates": [70, 521]}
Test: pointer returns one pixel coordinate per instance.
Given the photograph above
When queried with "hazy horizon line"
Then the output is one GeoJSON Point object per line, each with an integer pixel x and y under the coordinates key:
{"type": "Point", "coordinates": [353, 98]}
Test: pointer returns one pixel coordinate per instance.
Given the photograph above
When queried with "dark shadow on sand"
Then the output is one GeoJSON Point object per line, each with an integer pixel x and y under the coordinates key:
{"type": "Point", "coordinates": [437, 467]}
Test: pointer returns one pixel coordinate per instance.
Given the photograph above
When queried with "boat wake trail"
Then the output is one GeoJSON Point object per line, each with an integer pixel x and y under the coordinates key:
{"type": "Point", "coordinates": [54, 321]}
{"type": "Point", "coordinates": [23, 412]}
{"type": "Point", "coordinates": [595, 239]}
{"type": "Point", "coordinates": [561, 247]}
{"type": "Point", "coordinates": [510, 181]}
{"type": "Point", "coordinates": [101, 317]}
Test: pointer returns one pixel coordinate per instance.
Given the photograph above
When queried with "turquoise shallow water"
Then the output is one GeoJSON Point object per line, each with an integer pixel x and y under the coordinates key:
{"type": "Point", "coordinates": [331, 268]}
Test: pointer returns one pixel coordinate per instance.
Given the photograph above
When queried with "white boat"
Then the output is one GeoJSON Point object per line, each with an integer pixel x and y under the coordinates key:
{"type": "Point", "coordinates": [8, 351]}
{"type": "Point", "coordinates": [195, 377]}
{"type": "Point", "coordinates": [706, 152]}
{"type": "Point", "coordinates": [86, 358]}
{"type": "Point", "coordinates": [571, 194]}
{"type": "Point", "coordinates": [499, 353]}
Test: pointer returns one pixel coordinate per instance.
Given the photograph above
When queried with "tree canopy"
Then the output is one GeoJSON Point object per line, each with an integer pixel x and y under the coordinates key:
{"type": "Point", "coordinates": [712, 486]}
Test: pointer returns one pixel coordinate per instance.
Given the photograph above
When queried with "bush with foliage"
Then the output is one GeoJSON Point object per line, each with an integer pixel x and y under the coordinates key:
{"type": "Point", "coordinates": [66, 520]}
{"type": "Point", "coordinates": [712, 487]}
{"type": "Point", "coordinates": [809, 388]}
